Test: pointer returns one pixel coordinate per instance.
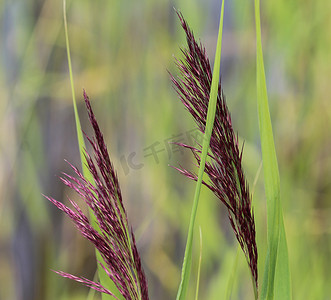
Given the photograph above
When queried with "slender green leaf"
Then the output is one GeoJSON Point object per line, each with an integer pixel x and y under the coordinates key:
{"type": "Point", "coordinates": [81, 143]}
{"type": "Point", "coordinates": [199, 267]}
{"type": "Point", "coordinates": [276, 281]}
{"type": "Point", "coordinates": [186, 268]}
{"type": "Point", "coordinates": [104, 278]}
{"type": "Point", "coordinates": [283, 276]}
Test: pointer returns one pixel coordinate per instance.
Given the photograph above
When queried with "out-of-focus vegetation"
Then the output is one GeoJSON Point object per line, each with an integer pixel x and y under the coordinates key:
{"type": "Point", "coordinates": [121, 51]}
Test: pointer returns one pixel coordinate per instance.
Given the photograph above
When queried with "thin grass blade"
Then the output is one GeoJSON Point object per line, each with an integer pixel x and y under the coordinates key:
{"type": "Point", "coordinates": [186, 268]}
{"type": "Point", "coordinates": [199, 267]}
{"type": "Point", "coordinates": [104, 278]}
{"type": "Point", "coordinates": [276, 281]}
{"type": "Point", "coordinates": [81, 143]}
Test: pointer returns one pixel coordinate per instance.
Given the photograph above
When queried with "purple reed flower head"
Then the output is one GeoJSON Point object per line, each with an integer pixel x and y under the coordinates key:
{"type": "Point", "coordinates": [112, 236]}
{"type": "Point", "coordinates": [226, 177]}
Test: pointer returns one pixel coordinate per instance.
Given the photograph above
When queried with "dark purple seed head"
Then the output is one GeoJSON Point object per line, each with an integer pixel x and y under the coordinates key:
{"type": "Point", "coordinates": [226, 177]}
{"type": "Point", "coordinates": [112, 237]}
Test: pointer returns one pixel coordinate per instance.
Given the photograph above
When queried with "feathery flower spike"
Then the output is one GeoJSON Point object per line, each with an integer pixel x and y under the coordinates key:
{"type": "Point", "coordinates": [114, 240]}
{"type": "Point", "coordinates": [225, 172]}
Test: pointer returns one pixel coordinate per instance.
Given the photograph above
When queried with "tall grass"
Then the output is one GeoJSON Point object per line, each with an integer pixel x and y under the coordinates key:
{"type": "Point", "coordinates": [104, 278]}
{"type": "Point", "coordinates": [186, 269]}
{"type": "Point", "coordinates": [114, 40]}
{"type": "Point", "coordinates": [276, 281]}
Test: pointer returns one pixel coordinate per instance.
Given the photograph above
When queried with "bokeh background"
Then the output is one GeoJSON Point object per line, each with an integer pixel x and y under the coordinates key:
{"type": "Point", "coordinates": [121, 52]}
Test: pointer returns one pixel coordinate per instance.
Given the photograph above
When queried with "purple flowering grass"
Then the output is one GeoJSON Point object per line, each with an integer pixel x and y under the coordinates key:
{"type": "Point", "coordinates": [112, 236]}
{"type": "Point", "coordinates": [224, 168]}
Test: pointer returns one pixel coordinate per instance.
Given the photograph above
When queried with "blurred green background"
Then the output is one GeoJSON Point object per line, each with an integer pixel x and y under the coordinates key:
{"type": "Point", "coordinates": [121, 51]}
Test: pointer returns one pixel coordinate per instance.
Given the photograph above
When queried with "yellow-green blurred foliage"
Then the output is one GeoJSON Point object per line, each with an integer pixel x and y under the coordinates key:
{"type": "Point", "coordinates": [121, 51]}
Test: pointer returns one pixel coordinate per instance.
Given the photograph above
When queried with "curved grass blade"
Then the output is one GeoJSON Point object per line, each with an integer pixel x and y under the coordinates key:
{"type": "Point", "coordinates": [81, 143]}
{"type": "Point", "coordinates": [186, 268]}
{"type": "Point", "coordinates": [104, 278]}
{"type": "Point", "coordinates": [276, 281]}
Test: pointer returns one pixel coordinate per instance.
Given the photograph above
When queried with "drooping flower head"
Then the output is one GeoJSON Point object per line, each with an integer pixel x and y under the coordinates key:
{"type": "Point", "coordinates": [226, 177]}
{"type": "Point", "coordinates": [112, 237]}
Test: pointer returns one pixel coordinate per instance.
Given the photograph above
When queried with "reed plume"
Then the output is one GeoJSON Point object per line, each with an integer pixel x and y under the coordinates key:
{"type": "Point", "coordinates": [224, 168]}
{"type": "Point", "coordinates": [112, 236]}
